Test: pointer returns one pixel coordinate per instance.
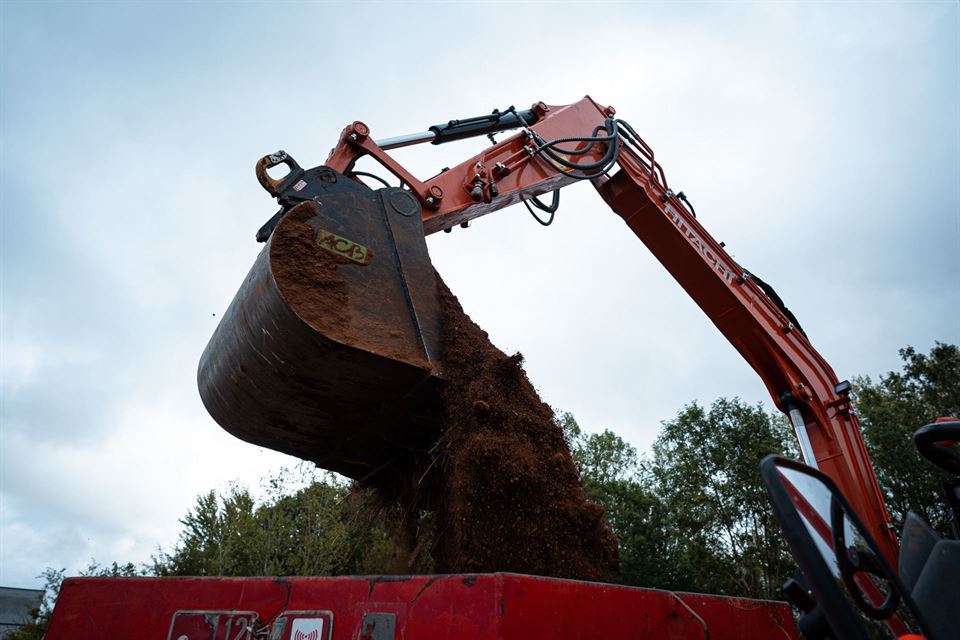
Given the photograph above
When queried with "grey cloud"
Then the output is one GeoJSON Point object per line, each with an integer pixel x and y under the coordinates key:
{"type": "Point", "coordinates": [819, 142]}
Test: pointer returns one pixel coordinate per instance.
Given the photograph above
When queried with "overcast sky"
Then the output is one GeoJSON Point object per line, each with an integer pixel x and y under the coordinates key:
{"type": "Point", "coordinates": [821, 142]}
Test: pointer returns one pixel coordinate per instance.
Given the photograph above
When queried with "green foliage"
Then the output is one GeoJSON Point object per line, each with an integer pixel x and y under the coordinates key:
{"type": "Point", "coordinates": [891, 410]}
{"type": "Point", "coordinates": [602, 457]}
{"type": "Point", "coordinates": [307, 525]}
{"type": "Point", "coordinates": [706, 469]}
{"type": "Point", "coordinates": [613, 477]}
{"type": "Point", "coordinates": [114, 570]}
{"type": "Point", "coordinates": [694, 516]}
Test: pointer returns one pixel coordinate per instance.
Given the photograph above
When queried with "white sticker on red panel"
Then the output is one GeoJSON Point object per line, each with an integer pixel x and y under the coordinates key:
{"type": "Point", "coordinates": [306, 629]}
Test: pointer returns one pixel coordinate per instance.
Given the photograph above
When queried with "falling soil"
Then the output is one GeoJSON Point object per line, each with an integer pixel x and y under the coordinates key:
{"type": "Point", "coordinates": [509, 496]}
{"type": "Point", "coordinates": [498, 491]}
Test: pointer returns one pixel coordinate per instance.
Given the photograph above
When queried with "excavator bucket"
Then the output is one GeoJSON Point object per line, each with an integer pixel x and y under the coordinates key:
{"type": "Point", "coordinates": [330, 350]}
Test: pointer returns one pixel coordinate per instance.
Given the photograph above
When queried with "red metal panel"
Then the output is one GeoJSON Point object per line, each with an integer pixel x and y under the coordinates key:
{"type": "Point", "coordinates": [543, 608]}
{"type": "Point", "coordinates": [145, 607]}
{"type": "Point", "coordinates": [737, 618]}
{"type": "Point", "coordinates": [466, 607]}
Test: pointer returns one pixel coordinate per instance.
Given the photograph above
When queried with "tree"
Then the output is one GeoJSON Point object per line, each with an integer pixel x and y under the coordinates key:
{"type": "Point", "coordinates": [613, 476]}
{"type": "Point", "coordinates": [694, 517]}
{"type": "Point", "coordinates": [307, 525]}
{"type": "Point", "coordinates": [891, 409]}
{"type": "Point", "coordinates": [602, 457]}
{"type": "Point", "coordinates": [219, 537]}
{"type": "Point", "coordinates": [706, 469]}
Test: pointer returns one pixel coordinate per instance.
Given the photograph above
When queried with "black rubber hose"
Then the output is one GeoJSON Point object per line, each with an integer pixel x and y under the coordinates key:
{"type": "Point", "coordinates": [771, 293]}
{"type": "Point", "coordinates": [545, 223]}
{"type": "Point", "coordinates": [683, 198]}
{"type": "Point", "coordinates": [603, 171]}
{"type": "Point", "coordinates": [613, 138]}
{"type": "Point", "coordinates": [593, 139]}
{"type": "Point", "coordinates": [549, 208]}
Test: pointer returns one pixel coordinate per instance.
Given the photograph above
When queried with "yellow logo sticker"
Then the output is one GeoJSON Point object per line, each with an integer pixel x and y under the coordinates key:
{"type": "Point", "coordinates": [343, 247]}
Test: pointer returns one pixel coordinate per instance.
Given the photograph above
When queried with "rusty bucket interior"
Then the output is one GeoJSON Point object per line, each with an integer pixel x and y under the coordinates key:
{"type": "Point", "coordinates": [330, 351]}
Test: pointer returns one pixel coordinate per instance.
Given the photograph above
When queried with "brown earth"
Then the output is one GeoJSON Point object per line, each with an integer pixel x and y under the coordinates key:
{"type": "Point", "coordinates": [306, 275]}
{"type": "Point", "coordinates": [499, 490]}
{"type": "Point", "coordinates": [509, 496]}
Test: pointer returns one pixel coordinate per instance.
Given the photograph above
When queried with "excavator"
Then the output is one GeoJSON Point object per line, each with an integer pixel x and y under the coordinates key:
{"type": "Point", "coordinates": [343, 366]}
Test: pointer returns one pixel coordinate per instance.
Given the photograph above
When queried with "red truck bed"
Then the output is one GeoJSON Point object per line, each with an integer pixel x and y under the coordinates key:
{"type": "Point", "coordinates": [498, 606]}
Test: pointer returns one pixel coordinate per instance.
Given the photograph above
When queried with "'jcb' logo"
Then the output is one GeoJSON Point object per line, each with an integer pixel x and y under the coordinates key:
{"type": "Point", "coordinates": [343, 247]}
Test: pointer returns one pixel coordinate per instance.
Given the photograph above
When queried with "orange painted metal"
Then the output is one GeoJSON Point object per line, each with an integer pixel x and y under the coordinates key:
{"type": "Point", "coordinates": [447, 198]}
{"type": "Point", "coordinates": [790, 367]}
{"type": "Point", "coordinates": [783, 357]}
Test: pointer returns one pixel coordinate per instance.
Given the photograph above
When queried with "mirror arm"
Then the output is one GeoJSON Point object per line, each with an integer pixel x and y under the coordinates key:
{"type": "Point", "coordinates": [813, 625]}
{"type": "Point", "coordinates": [811, 622]}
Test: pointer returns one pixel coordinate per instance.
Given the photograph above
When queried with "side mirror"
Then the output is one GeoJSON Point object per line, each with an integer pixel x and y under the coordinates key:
{"type": "Point", "coordinates": [853, 584]}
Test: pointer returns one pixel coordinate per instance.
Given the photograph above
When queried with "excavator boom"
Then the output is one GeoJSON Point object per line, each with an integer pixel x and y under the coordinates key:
{"type": "Point", "coordinates": [348, 373]}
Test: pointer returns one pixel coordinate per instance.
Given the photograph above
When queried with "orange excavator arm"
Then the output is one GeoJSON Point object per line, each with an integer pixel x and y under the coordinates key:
{"type": "Point", "coordinates": [558, 145]}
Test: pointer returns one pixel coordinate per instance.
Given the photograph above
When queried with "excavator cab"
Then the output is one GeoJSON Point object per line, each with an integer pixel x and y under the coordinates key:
{"type": "Point", "coordinates": [330, 350]}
